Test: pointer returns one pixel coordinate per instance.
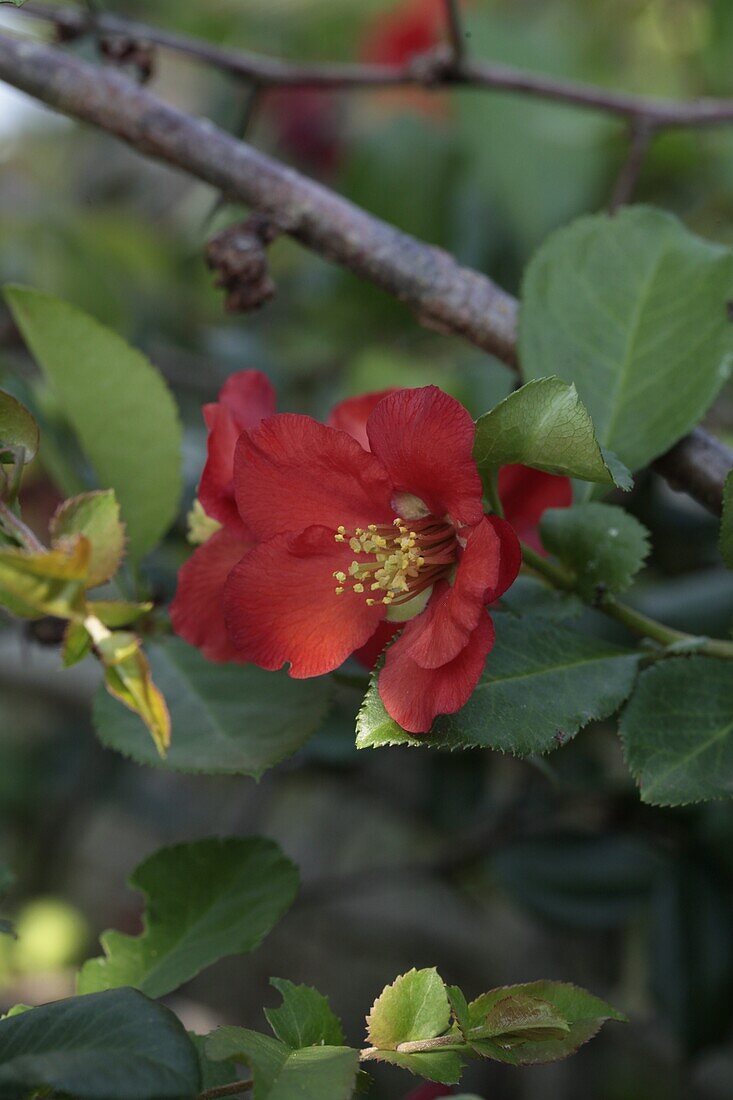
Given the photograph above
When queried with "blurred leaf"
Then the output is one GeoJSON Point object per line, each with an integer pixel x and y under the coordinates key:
{"type": "Point", "coordinates": [632, 309]}
{"type": "Point", "coordinates": [603, 545]}
{"type": "Point", "coordinates": [305, 1018]}
{"type": "Point", "coordinates": [414, 1006]}
{"type": "Point", "coordinates": [225, 718]}
{"type": "Point", "coordinates": [127, 678]}
{"type": "Point", "coordinates": [544, 425]}
{"type": "Point", "coordinates": [677, 731]}
{"type": "Point", "coordinates": [116, 1045]}
{"type": "Point", "coordinates": [118, 404]}
{"type": "Point", "coordinates": [18, 429]}
{"type": "Point", "coordinates": [531, 596]}
{"type": "Point", "coordinates": [726, 528]}
{"type": "Point", "coordinates": [96, 516]}
{"type": "Point", "coordinates": [314, 1073]}
{"type": "Point", "coordinates": [691, 953]}
{"type": "Point", "coordinates": [542, 684]}
{"type": "Point", "coordinates": [583, 1012]}
{"type": "Point", "coordinates": [76, 644]}
{"type": "Point", "coordinates": [213, 1074]}
{"type": "Point", "coordinates": [205, 900]}
{"type": "Point", "coordinates": [580, 880]}
{"type": "Point", "coordinates": [45, 582]}
{"type": "Point", "coordinates": [116, 613]}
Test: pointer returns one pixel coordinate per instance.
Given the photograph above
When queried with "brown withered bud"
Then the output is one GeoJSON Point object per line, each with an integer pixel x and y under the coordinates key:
{"type": "Point", "coordinates": [122, 49]}
{"type": "Point", "coordinates": [238, 255]}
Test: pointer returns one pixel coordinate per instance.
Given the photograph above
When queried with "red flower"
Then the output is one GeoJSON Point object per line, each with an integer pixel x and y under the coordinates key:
{"type": "Point", "coordinates": [346, 537]}
{"type": "Point", "coordinates": [336, 537]}
{"type": "Point", "coordinates": [429, 1092]}
{"type": "Point", "coordinates": [197, 612]}
{"type": "Point", "coordinates": [411, 28]}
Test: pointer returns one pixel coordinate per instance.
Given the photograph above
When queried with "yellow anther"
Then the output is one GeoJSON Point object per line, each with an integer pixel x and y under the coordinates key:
{"type": "Point", "coordinates": [338, 591]}
{"type": "Point", "coordinates": [339, 538]}
{"type": "Point", "coordinates": [359, 588]}
{"type": "Point", "coordinates": [355, 545]}
{"type": "Point", "coordinates": [371, 603]}
{"type": "Point", "coordinates": [340, 576]}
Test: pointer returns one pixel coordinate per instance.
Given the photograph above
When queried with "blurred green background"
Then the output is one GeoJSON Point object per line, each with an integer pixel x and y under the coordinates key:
{"type": "Point", "coordinates": [569, 877]}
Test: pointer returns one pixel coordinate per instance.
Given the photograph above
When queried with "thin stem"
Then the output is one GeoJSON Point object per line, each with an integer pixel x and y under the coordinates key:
{"type": "Point", "coordinates": [492, 494]}
{"type": "Point", "coordinates": [416, 1046]}
{"type": "Point", "coordinates": [15, 527]}
{"type": "Point", "coordinates": [226, 1090]}
{"type": "Point", "coordinates": [646, 627]}
{"type": "Point", "coordinates": [456, 34]}
{"type": "Point", "coordinates": [642, 133]}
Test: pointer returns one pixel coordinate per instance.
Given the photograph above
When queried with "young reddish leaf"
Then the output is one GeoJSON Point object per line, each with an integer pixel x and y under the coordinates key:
{"type": "Point", "coordinates": [95, 515]}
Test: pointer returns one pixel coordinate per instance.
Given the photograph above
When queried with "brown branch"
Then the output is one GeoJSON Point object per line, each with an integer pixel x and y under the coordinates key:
{"type": "Point", "coordinates": [455, 31]}
{"type": "Point", "coordinates": [234, 1089]}
{"type": "Point", "coordinates": [642, 135]}
{"type": "Point", "coordinates": [445, 296]}
{"type": "Point", "coordinates": [263, 70]}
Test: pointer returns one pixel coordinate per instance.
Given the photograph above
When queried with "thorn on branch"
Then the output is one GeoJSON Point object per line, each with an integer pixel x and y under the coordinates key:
{"type": "Point", "coordinates": [239, 257]}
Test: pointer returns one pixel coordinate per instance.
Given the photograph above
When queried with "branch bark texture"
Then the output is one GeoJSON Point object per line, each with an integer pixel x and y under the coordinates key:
{"type": "Point", "coordinates": [444, 295]}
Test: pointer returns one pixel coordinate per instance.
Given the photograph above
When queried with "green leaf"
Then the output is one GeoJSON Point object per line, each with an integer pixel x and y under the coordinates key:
{"type": "Point", "coordinates": [213, 1074]}
{"type": "Point", "coordinates": [96, 516]}
{"type": "Point", "coordinates": [677, 731]}
{"type": "Point", "coordinates": [603, 545]}
{"type": "Point", "coordinates": [632, 308]}
{"type": "Point", "coordinates": [726, 527]}
{"type": "Point", "coordinates": [531, 596]}
{"type": "Point", "coordinates": [459, 1007]}
{"type": "Point", "coordinates": [118, 405]}
{"type": "Point", "coordinates": [522, 1017]}
{"type": "Point", "coordinates": [45, 582]}
{"type": "Point", "coordinates": [541, 685]}
{"type": "Point", "coordinates": [443, 1066]}
{"type": "Point", "coordinates": [414, 1006]}
{"type": "Point", "coordinates": [314, 1073]}
{"type": "Point", "coordinates": [305, 1018]}
{"type": "Point", "coordinates": [583, 1013]}
{"type": "Point", "coordinates": [18, 429]}
{"type": "Point", "coordinates": [225, 718]}
{"type": "Point", "coordinates": [205, 900]}
{"type": "Point", "coordinates": [544, 425]}
{"type": "Point", "coordinates": [116, 1045]}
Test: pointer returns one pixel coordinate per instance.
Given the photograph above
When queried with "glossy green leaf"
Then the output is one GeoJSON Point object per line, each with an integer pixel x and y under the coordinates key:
{"type": "Point", "coordinates": [726, 527]}
{"type": "Point", "coordinates": [305, 1018]}
{"type": "Point", "coordinates": [542, 683]}
{"type": "Point", "coordinates": [677, 731]}
{"type": "Point", "coordinates": [118, 405]}
{"type": "Point", "coordinates": [414, 1006]}
{"type": "Point", "coordinates": [531, 596]}
{"type": "Point", "coordinates": [204, 901]}
{"type": "Point", "coordinates": [116, 1045]}
{"type": "Point", "coordinates": [281, 1073]}
{"type": "Point", "coordinates": [632, 309]}
{"type": "Point", "coordinates": [545, 425]}
{"type": "Point", "coordinates": [603, 545]}
{"type": "Point", "coordinates": [459, 1008]}
{"type": "Point", "coordinates": [18, 430]}
{"type": "Point", "coordinates": [97, 517]}
{"type": "Point", "coordinates": [583, 1013]}
{"type": "Point", "coordinates": [225, 718]}
{"type": "Point", "coordinates": [213, 1074]}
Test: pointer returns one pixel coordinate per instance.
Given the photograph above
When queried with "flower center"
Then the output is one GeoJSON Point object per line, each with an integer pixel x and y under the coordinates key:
{"type": "Point", "coordinates": [396, 563]}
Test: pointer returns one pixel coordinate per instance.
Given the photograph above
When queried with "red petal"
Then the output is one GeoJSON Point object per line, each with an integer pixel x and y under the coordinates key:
{"type": "Point", "coordinates": [410, 28]}
{"type": "Point", "coordinates": [292, 473]}
{"type": "Point", "coordinates": [438, 637]}
{"type": "Point", "coordinates": [352, 414]}
{"type": "Point", "coordinates": [245, 399]}
{"type": "Point", "coordinates": [280, 605]}
{"type": "Point", "coordinates": [424, 439]}
{"type": "Point", "coordinates": [250, 397]}
{"type": "Point", "coordinates": [414, 695]}
{"type": "Point", "coordinates": [526, 493]}
{"type": "Point", "coordinates": [197, 612]}
{"type": "Point", "coordinates": [510, 557]}
{"type": "Point", "coordinates": [370, 653]}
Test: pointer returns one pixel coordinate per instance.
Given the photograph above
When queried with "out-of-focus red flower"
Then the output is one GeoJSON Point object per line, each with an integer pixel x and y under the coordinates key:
{"type": "Point", "coordinates": [408, 28]}
{"type": "Point", "coordinates": [336, 537]}
{"type": "Point", "coordinates": [526, 494]}
{"type": "Point", "coordinates": [429, 1091]}
{"type": "Point", "coordinates": [307, 126]}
